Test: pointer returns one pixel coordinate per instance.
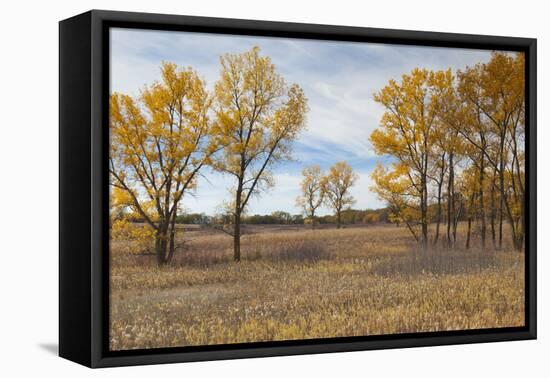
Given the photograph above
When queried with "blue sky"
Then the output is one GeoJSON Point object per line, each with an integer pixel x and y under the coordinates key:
{"type": "Point", "coordinates": [338, 78]}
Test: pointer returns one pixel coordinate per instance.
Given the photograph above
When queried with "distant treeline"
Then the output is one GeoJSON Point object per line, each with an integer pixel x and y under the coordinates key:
{"type": "Point", "coordinates": [350, 216]}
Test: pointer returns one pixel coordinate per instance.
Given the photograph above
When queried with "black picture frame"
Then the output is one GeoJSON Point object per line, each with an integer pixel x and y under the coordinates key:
{"type": "Point", "coordinates": [83, 181]}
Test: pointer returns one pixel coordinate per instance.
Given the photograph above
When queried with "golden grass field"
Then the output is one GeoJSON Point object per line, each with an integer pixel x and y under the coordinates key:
{"type": "Point", "coordinates": [295, 283]}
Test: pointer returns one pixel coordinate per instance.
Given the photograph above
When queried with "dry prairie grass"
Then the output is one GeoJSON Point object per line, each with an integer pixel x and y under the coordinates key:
{"type": "Point", "coordinates": [302, 284]}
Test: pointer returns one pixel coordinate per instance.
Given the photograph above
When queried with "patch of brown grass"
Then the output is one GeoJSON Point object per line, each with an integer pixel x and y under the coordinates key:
{"type": "Point", "coordinates": [302, 284]}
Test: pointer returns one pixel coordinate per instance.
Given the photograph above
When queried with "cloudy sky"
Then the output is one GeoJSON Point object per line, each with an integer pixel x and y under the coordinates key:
{"type": "Point", "coordinates": [338, 78]}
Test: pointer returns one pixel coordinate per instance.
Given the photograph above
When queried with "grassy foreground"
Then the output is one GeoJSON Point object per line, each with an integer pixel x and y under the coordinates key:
{"type": "Point", "coordinates": [299, 284]}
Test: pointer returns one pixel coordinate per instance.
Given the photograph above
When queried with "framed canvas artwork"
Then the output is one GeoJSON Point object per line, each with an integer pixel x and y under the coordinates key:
{"type": "Point", "coordinates": [235, 188]}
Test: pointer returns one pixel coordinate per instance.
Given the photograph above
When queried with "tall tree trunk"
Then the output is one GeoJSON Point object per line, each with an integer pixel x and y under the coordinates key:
{"type": "Point", "coordinates": [438, 224]}
{"type": "Point", "coordinates": [338, 218]}
{"type": "Point", "coordinates": [469, 232]}
{"type": "Point", "coordinates": [237, 238]}
{"type": "Point", "coordinates": [500, 221]}
{"type": "Point", "coordinates": [520, 186]}
{"type": "Point", "coordinates": [424, 212]}
{"type": "Point", "coordinates": [237, 220]}
{"type": "Point", "coordinates": [516, 222]}
{"type": "Point", "coordinates": [482, 200]}
{"type": "Point", "coordinates": [159, 253]}
{"type": "Point", "coordinates": [470, 211]}
{"type": "Point", "coordinates": [172, 246]}
{"type": "Point", "coordinates": [493, 211]}
{"type": "Point", "coordinates": [439, 207]}
{"type": "Point", "coordinates": [501, 188]}
{"type": "Point", "coordinates": [513, 225]}
{"type": "Point", "coordinates": [450, 200]}
{"type": "Point", "coordinates": [161, 243]}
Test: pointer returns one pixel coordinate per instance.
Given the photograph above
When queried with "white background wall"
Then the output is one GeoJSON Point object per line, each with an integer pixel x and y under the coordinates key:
{"type": "Point", "coordinates": [29, 174]}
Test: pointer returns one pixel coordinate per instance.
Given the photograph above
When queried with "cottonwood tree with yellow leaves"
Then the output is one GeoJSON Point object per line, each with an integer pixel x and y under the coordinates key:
{"type": "Point", "coordinates": [337, 183]}
{"type": "Point", "coordinates": [467, 129]}
{"type": "Point", "coordinates": [313, 188]}
{"type": "Point", "coordinates": [159, 143]}
{"type": "Point", "coordinates": [495, 91]}
{"type": "Point", "coordinates": [449, 150]}
{"type": "Point", "coordinates": [407, 132]}
{"type": "Point", "coordinates": [258, 116]}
